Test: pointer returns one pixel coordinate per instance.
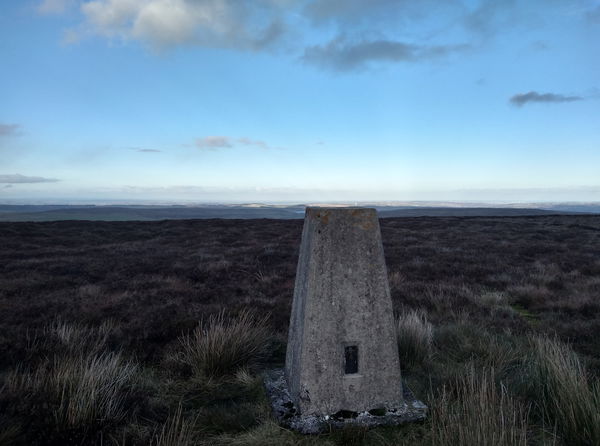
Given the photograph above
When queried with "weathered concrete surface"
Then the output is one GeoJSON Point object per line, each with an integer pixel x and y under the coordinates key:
{"type": "Point", "coordinates": [342, 299]}
{"type": "Point", "coordinates": [288, 415]}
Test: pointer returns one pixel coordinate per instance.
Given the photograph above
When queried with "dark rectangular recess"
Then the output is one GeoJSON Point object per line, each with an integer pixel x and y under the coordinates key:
{"type": "Point", "coordinates": [351, 359]}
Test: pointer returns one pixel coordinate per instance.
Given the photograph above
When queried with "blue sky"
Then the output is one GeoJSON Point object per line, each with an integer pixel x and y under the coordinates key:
{"type": "Point", "coordinates": [300, 100]}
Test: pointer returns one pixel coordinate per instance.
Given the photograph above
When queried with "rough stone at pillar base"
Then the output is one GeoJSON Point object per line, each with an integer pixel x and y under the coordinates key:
{"type": "Point", "coordinates": [286, 413]}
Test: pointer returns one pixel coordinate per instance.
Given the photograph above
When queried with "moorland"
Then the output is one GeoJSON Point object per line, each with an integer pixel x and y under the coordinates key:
{"type": "Point", "coordinates": [132, 333]}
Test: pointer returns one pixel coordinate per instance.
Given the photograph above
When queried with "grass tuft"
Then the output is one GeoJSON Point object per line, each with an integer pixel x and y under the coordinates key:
{"type": "Point", "coordinates": [221, 345]}
{"type": "Point", "coordinates": [176, 431]}
{"type": "Point", "coordinates": [476, 413]}
{"type": "Point", "coordinates": [90, 389]}
{"type": "Point", "coordinates": [415, 338]}
{"type": "Point", "coordinates": [565, 396]}
{"type": "Point", "coordinates": [75, 393]}
{"type": "Point", "coordinates": [77, 339]}
{"type": "Point", "coordinates": [73, 390]}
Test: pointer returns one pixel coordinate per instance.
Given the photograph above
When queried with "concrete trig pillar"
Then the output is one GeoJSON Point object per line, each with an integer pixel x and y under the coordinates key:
{"type": "Point", "coordinates": [342, 352]}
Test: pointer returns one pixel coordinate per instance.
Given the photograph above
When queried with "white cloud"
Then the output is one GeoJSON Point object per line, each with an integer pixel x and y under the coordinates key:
{"type": "Point", "coordinates": [110, 17]}
{"type": "Point", "coordinates": [169, 22]}
{"type": "Point", "coordinates": [166, 23]}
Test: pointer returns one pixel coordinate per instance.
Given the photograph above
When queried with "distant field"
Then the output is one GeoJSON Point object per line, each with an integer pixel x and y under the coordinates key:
{"type": "Point", "coordinates": [485, 283]}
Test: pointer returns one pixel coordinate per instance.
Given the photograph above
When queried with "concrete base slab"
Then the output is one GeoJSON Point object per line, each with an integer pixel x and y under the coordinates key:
{"type": "Point", "coordinates": [287, 413]}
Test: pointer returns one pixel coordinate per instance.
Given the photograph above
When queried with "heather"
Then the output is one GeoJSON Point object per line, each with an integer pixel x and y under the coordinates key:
{"type": "Point", "coordinates": [130, 332]}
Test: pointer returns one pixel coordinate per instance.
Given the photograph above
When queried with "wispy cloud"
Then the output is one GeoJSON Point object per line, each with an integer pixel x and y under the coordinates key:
{"type": "Point", "coordinates": [54, 6]}
{"type": "Point", "coordinates": [254, 142]}
{"type": "Point", "coordinates": [214, 142]}
{"type": "Point", "coordinates": [546, 98]}
{"type": "Point", "coordinates": [148, 150]}
{"type": "Point", "coordinates": [490, 16]}
{"type": "Point", "coordinates": [19, 179]}
{"type": "Point", "coordinates": [226, 142]}
{"type": "Point", "coordinates": [8, 129]}
{"type": "Point", "coordinates": [342, 55]}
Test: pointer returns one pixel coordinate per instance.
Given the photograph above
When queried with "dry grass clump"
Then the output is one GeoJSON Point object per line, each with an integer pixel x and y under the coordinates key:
{"type": "Point", "coordinates": [78, 339]}
{"type": "Point", "coordinates": [76, 393]}
{"type": "Point", "coordinates": [65, 339]}
{"type": "Point", "coordinates": [176, 431]}
{"type": "Point", "coordinates": [563, 391]}
{"type": "Point", "coordinates": [415, 337]}
{"type": "Point", "coordinates": [222, 345]}
{"type": "Point", "coordinates": [91, 389]}
{"type": "Point", "coordinates": [477, 413]}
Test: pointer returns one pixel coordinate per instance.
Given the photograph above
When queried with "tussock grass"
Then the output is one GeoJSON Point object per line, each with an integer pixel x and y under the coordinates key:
{"type": "Point", "coordinates": [415, 337]}
{"type": "Point", "coordinates": [176, 431]}
{"type": "Point", "coordinates": [464, 342]}
{"type": "Point", "coordinates": [70, 388]}
{"type": "Point", "coordinates": [91, 389]}
{"type": "Point", "coordinates": [563, 391]}
{"type": "Point", "coordinates": [77, 393]}
{"type": "Point", "coordinates": [60, 338]}
{"type": "Point", "coordinates": [222, 345]}
{"type": "Point", "coordinates": [79, 339]}
{"type": "Point", "coordinates": [477, 413]}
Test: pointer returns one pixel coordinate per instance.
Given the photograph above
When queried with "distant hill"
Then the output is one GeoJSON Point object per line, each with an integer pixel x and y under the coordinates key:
{"type": "Point", "coordinates": [151, 213]}
{"type": "Point", "coordinates": [465, 212]}
{"type": "Point", "coordinates": [145, 213]}
{"type": "Point", "coordinates": [591, 208]}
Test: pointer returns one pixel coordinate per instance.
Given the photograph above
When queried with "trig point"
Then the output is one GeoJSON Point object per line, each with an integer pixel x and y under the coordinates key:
{"type": "Point", "coordinates": [342, 351]}
{"type": "Point", "coordinates": [342, 356]}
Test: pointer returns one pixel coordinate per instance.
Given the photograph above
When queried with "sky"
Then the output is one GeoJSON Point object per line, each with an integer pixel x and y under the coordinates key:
{"type": "Point", "coordinates": [299, 100]}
